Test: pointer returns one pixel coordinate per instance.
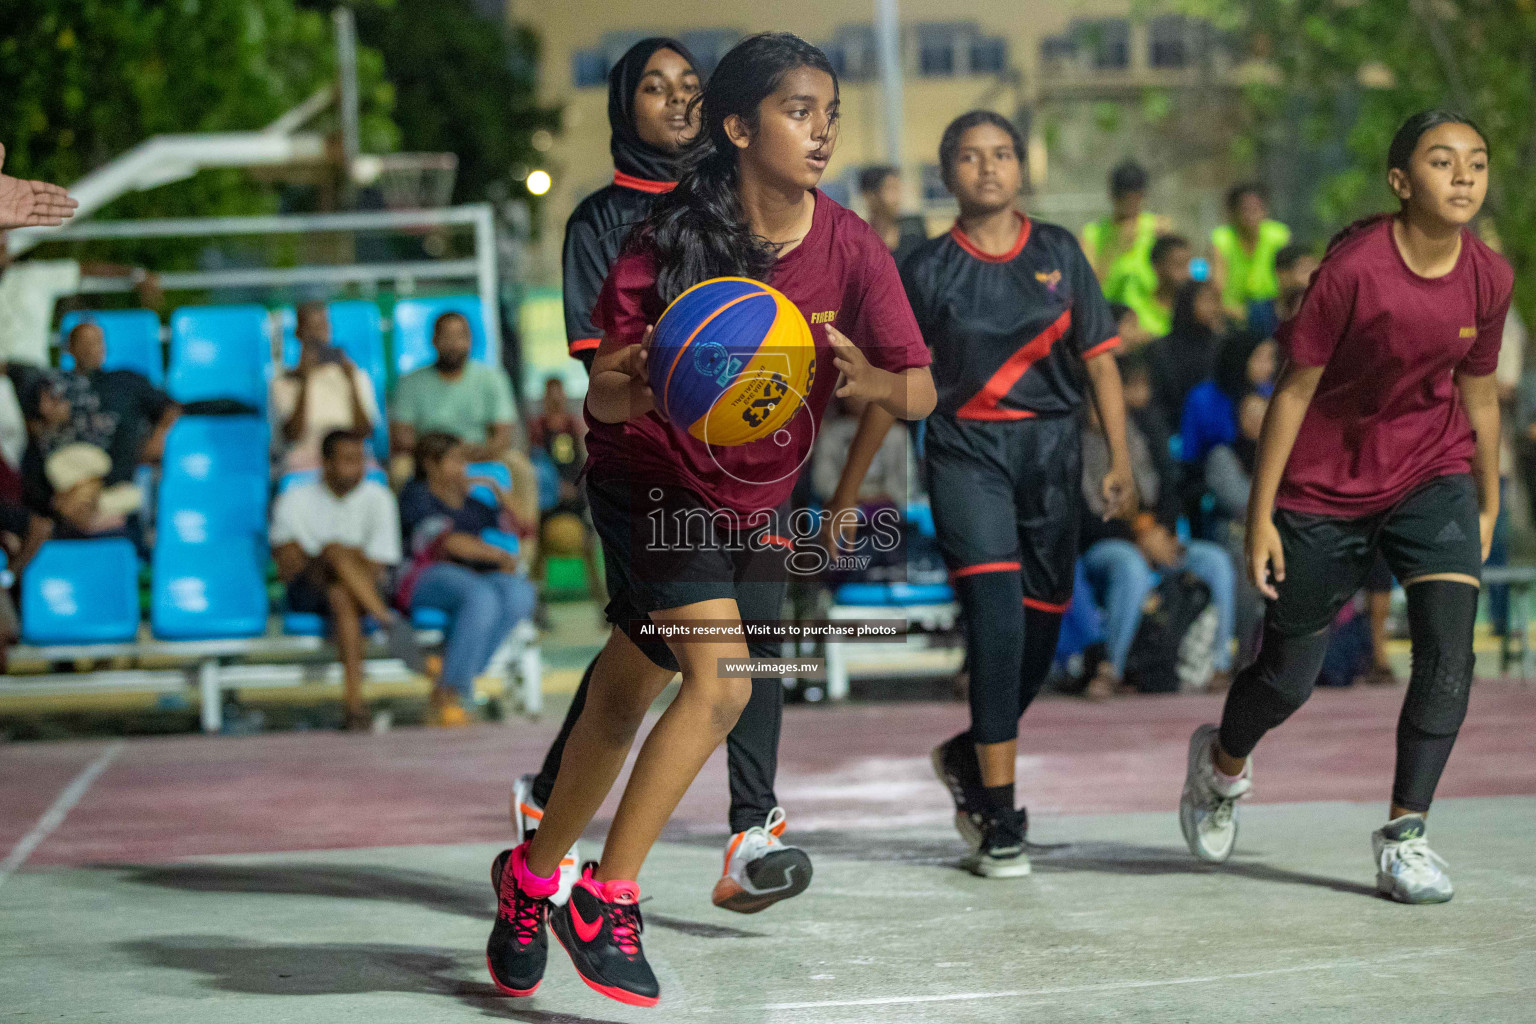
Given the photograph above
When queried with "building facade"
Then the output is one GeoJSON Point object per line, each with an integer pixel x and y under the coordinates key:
{"type": "Point", "coordinates": [1090, 81]}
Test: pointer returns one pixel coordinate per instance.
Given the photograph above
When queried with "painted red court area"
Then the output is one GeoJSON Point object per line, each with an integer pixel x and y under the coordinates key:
{"type": "Point", "coordinates": [842, 767]}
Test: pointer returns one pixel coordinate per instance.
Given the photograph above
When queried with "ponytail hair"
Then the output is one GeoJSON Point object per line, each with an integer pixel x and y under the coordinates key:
{"type": "Point", "coordinates": [698, 230]}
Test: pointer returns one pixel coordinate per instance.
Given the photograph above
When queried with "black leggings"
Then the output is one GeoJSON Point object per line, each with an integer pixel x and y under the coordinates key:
{"type": "Point", "coordinates": [1440, 620]}
{"type": "Point", "coordinates": [1009, 648]}
{"type": "Point", "coordinates": [751, 748]}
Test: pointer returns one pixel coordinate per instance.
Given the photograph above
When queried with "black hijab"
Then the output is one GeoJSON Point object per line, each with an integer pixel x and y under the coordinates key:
{"type": "Point", "coordinates": [632, 155]}
{"type": "Point", "coordinates": [1185, 356]}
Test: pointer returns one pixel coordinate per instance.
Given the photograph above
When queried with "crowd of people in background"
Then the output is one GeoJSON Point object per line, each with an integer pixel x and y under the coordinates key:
{"type": "Point", "coordinates": [1198, 358]}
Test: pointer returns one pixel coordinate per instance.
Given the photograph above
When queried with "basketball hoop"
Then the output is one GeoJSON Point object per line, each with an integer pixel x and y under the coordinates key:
{"type": "Point", "coordinates": [408, 181]}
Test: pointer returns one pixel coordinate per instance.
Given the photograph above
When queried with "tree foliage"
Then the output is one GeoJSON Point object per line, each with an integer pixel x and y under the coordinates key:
{"type": "Point", "coordinates": [1355, 69]}
{"type": "Point", "coordinates": [464, 84]}
{"type": "Point", "coordinates": [83, 81]}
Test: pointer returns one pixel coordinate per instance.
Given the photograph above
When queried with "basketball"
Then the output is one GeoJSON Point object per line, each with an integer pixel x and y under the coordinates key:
{"type": "Point", "coordinates": [731, 361]}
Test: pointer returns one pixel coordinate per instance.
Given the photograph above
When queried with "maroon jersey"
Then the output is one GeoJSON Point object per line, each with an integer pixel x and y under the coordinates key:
{"type": "Point", "coordinates": [840, 274]}
{"type": "Point", "coordinates": [1387, 415]}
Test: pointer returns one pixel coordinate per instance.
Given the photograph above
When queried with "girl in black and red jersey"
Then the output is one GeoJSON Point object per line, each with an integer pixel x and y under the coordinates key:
{"type": "Point", "coordinates": [1382, 435]}
{"type": "Point", "coordinates": [747, 205]}
{"type": "Point", "coordinates": [1019, 329]}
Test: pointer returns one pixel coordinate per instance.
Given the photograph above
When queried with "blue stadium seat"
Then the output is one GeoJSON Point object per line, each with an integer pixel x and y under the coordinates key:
{"type": "Point", "coordinates": [429, 618]}
{"type": "Point", "coordinates": [81, 592]}
{"type": "Point", "coordinates": [414, 320]}
{"type": "Point", "coordinates": [496, 471]}
{"type": "Point", "coordinates": [288, 325]}
{"type": "Point", "coordinates": [502, 539]}
{"type": "Point", "coordinates": [893, 593]}
{"type": "Point", "coordinates": [132, 336]}
{"type": "Point", "coordinates": [548, 476]}
{"type": "Point", "coordinates": [193, 512]}
{"type": "Point", "coordinates": [208, 591]}
{"type": "Point", "coordinates": [220, 352]}
{"type": "Point", "coordinates": [310, 624]}
{"type": "Point", "coordinates": [205, 448]}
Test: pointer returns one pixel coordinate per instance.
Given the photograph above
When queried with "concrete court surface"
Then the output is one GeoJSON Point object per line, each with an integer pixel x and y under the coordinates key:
{"type": "Point", "coordinates": [311, 877]}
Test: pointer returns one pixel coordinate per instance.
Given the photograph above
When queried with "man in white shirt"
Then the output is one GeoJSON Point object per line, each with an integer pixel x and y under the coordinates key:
{"type": "Point", "coordinates": [334, 541]}
{"type": "Point", "coordinates": [325, 392]}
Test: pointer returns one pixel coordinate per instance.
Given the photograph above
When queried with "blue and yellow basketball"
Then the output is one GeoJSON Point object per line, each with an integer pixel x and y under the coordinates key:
{"type": "Point", "coordinates": [731, 361]}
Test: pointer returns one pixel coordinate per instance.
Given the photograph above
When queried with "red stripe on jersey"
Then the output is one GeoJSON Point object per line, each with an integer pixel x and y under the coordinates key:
{"type": "Point", "coordinates": [976, 570]}
{"type": "Point", "coordinates": [773, 538]}
{"type": "Point", "coordinates": [983, 406]}
{"type": "Point", "coordinates": [584, 345]}
{"type": "Point", "coordinates": [970, 246]}
{"type": "Point", "coordinates": [643, 184]}
{"type": "Point", "coordinates": [1107, 345]}
{"type": "Point", "coordinates": [1045, 606]}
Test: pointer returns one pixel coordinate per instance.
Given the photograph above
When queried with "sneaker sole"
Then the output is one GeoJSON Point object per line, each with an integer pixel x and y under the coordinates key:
{"type": "Point", "coordinates": [778, 876]}
{"type": "Point", "coordinates": [988, 868]}
{"type": "Point", "coordinates": [1187, 807]}
{"type": "Point", "coordinates": [622, 995]}
{"type": "Point", "coordinates": [1385, 885]}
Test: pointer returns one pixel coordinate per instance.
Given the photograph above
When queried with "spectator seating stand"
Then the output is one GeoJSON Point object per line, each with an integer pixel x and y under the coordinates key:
{"type": "Point", "coordinates": [210, 626]}
{"type": "Point", "coordinates": [927, 609]}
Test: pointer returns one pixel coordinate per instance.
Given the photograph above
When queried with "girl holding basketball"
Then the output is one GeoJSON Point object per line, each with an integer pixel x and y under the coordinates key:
{"type": "Point", "coordinates": [1382, 436]}
{"type": "Point", "coordinates": [1019, 328]}
{"type": "Point", "coordinates": [747, 206]}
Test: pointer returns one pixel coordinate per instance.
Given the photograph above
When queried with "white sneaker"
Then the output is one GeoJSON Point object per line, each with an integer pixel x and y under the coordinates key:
{"type": "Point", "coordinates": [760, 869]}
{"type": "Point", "coordinates": [1407, 870]}
{"type": "Point", "coordinates": [1208, 806]}
{"type": "Point", "coordinates": [527, 812]}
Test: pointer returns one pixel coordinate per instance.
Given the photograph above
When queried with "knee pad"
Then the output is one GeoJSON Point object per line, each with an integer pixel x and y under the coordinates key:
{"type": "Point", "coordinates": [1439, 690]}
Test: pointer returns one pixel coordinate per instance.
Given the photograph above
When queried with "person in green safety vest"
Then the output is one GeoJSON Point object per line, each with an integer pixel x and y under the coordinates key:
{"type": "Point", "coordinates": [1119, 246]}
{"type": "Point", "coordinates": [1170, 257]}
{"type": "Point", "coordinates": [1243, 254]}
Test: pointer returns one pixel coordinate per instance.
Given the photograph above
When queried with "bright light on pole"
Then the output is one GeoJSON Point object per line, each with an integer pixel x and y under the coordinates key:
{"type": "Point", "coordinates": [538, 182]}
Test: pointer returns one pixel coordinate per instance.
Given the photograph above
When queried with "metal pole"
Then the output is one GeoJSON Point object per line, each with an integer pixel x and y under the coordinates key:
{"type": "Point", "coordinates": [888, 43]}
{"type": "Point", "coordinates": [346, 91]}
{"type": "Point", "coordinates": [485, 257]}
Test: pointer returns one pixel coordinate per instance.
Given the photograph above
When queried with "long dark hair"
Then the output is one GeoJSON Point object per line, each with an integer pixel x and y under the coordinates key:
{"type": "Point", "coordinates": [698, 230]}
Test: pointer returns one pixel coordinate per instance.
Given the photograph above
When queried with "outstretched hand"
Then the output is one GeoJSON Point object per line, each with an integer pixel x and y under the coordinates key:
{"type": "Point", "coordinates": [32, 204]}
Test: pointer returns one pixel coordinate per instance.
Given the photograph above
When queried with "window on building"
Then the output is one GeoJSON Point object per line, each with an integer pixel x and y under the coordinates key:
{"type": "Point", "coordinates": [852, 52]}
{"type": "Point", "coordinates": [989, 55]}
{"type": "Point", "coordinates": [589, 68]}
{"type": "Point", "coordinates": [1058, 51]}
{"type": "Point", "coordinates": [936, 55]}
{"type": "Point", "coordinates": [1169, 42]}
{"type": "Point", "coordinates": [708, 47]}
{"type": "Point", "coordinates": [1109, 43]}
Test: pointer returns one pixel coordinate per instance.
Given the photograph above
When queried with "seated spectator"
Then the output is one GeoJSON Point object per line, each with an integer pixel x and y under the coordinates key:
{"type": "Point", "coordinates": [118, 411]}
{"type": "Point", "coordinates": [1294, 265]}
{"type": "Point", "coordinates": [335, 540]}
{"type": "Point", "coordinates": [13, 437]}
{"type": "Point", "coordinates": [1229, 478]}
{"type": "Point", "coordinates": [880, 188]}
{"type": "Point", "coordinates": [1245, 365]}
{"type": "Point", "coordinates": [1122, 557]}
{"type": "Point", "coordinates": [455, 570]}
{"type": "Point", "coordinates": [473, 402]}
{"type": "Point", "coordinates": [22, 533]}
{"type": "Point", "coordinates": [564, 528]}
{"type": "Point", "coordinates": [1187, 354]}
{"type": "Point", "coordinates": [1133, 336]}
{"type": "Point", "coordinates": [325, 392]}
{"type": "Point", "coordinates": [66, 479]}
{"type": "Point", "coordinates": [891, 473]}
{"type": "Point", "coordinates": [1170, 258]}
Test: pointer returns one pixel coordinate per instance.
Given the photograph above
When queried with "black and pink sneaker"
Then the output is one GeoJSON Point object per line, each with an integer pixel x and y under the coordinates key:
{"type": "Point", "coordinates": [519, 946]}
{"type": "Point", "coordinates": [600, 926]}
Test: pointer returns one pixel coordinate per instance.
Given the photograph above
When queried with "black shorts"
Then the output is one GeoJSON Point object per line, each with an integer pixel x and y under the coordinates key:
{"type": "Point", "coordinates": [979, 471]}
{"type": "Point", "coordinates": [1434, 529]}
{"type": "Point", "coordinates": [663, 548]}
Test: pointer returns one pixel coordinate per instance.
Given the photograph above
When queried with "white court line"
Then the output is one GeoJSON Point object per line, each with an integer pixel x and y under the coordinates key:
{"type": "Point", "coordinates": [54, 816]}
{"type": "Point", "coordinates": [1110, 986]}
